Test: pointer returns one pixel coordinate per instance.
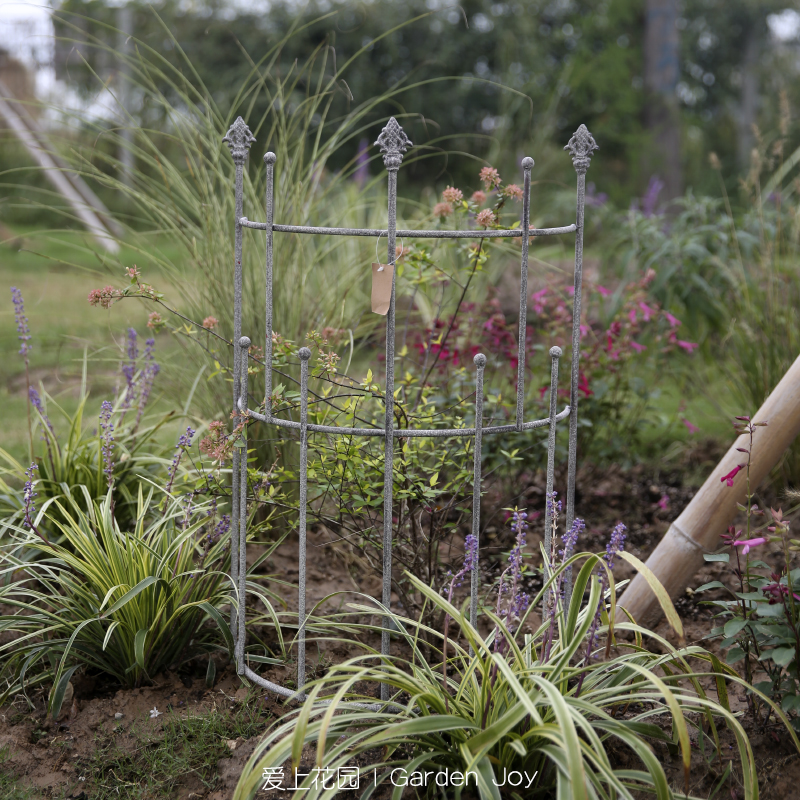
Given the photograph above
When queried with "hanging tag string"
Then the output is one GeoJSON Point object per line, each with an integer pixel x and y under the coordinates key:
{"type": "Point", "coordinates": [377, 242]}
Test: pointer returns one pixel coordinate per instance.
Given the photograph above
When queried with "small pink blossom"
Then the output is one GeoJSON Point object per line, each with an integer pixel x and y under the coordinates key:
{"type": "Point", "coordinates": [746, 544]}
{"type": "Point", "coordinates": [452, 195]}
{"type": "Point", "coordinates": [728, 479]}
{"type": "Point", "coordinates": [538, 300]}
{"type": "Point", "coordinates": [104, 297]}
{"type": "Point", "coordinates": [154, 321]}
{"type": "Point", "coordinates": [647, 312]}
{"type": "Point", "coordinates": [692, 428]}
{"type": "Point", "coordinates": [638, 347]}
{"type": "Point", "coordinates": [485, 218]}
{"type": "Point", "coordinates": [663, 503]}
{"type": "Point", "coordinates": [513, 191]}
{"type": "Point", "coordinates": [442, 210]}
{"type": "Point", "coordinates": [571, 291]}
{"type": "Point", "coordinates": [132, 272]}
{"type": "Point", "coordinates": [210, 323]}
{"type": "Point", "coordinates": [603, 291]}
{"type": "Point", "coordinates": [632, 315]}
{"type": "Point", "coordinates": [687, 346]}
{"type": "Point", "coordinates": [479, 197]}
{"type": "Point", "coordinates": [490, 177]}
{"type": "Point", "coordinates": [584, 330]}
{"type": "Point", "coordinates": [674, 322]}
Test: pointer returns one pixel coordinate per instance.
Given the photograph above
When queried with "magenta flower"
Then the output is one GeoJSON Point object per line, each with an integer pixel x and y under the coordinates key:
{"type": "Point", "coordinates": [632, 315]}
{"type": "Point", "coordinates": [663, 503]}
{"type": "Point", "coordinates": [746, 544]}
{"type": "Point", "coordinates": [777, 591]}
{"type": "Point", "coordinates": [603, 291]}
{"type": "Point", "coordinates": [691, 427]}
{"type": "Point", "coordinates": [538, 300]}
{"type": "Point", "coordinates": [646, 311]}
{"type": "Point", "coordinates": [674, 322]}
{"type": "Point", "coordinates": [732, 474]}
{"type": "Point", "coordinates": [687, 346]}
{"type": "Point", "coordinates": [638, 347]}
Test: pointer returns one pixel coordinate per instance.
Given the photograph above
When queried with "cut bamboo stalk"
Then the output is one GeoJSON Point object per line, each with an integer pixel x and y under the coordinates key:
{"type": "Point", "coordinates": [697, 530]}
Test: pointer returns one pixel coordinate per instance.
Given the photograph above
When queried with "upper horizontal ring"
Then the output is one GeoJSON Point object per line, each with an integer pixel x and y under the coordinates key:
{"type": "Point", "coordinates": [504, 234]}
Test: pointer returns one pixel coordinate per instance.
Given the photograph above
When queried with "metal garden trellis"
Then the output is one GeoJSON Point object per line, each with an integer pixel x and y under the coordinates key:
{"type": "Point", "coordinates": [393, 143]}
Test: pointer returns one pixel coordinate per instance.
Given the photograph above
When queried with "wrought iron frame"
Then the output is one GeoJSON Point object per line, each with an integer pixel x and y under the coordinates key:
{"type": "Point", "coordinates": [393, 143]}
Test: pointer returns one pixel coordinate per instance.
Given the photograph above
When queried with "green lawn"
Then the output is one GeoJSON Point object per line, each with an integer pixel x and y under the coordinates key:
{"type": "Point", "coordinates": [55, 273]}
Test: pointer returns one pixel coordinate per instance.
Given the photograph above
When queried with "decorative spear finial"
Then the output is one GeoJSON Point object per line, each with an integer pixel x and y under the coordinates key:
{"type": "Point", "coordinates": [581, 146]}
{"type": "Point", "coordinates": [239, 138]}
{"type": "Point", "coordinates": [393, 142]}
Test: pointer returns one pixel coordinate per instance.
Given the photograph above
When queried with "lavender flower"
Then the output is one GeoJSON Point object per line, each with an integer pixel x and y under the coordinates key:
{"type": "Point", "coordinates": [470, 561]}
{"type": "Point", "coordinates": [184, 443]}
{"type": "Point", "coordinates": [188, 508]}
{"type": "Point", "coordinates": [29, 496]}
{"type": "Point", "coordinates": [650, 198]}
{"type": "Point", "coordinates": [36, 402]}
{"type": "Point", "coordinates": [223, 526]}
{"type": "Point", "coordinates": [361, 173]}
{"type": "Point", "coordinates": [570, 538]}
{"type": "Point", "coordinates": [512, 602]}
{"type": "Point", "coordinates": [129, 369]}
{"type": "Point", "coordinates": [107, 434]}
{"type": "Point", "coordinates": [595, 198]}
{"type": "Point", "coordinates": [148, 376]}
{"type": "Point", "coordinates": [23, 332]}
{"type": "Point", "coordinates": [616, 544]}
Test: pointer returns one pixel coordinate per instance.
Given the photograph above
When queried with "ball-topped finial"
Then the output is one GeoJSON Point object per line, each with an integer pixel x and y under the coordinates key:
{"type": "Point", "coordinates": [244, 342]}
{"type": "Point", "coordinates": [304, 353]}
{"type": "Point", "coordinates": [555, 352]}
{"type": "Point", "coordinates": [527, 163]}
{"type": "Point", "coordinates": [270, 157]}
{"type": "Point", "coordinates": [479, 360]}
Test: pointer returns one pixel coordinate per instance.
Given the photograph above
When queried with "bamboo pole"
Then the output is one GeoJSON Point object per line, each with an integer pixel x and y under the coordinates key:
{"type": "Point", "coordinates": [697, 530]}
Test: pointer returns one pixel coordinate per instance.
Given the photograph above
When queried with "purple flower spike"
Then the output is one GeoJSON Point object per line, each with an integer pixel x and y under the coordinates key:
{"type": "Point", "coordinates": [36, 402]}
{"type": "Point", "coordinates": [184, 443]}
{"type": "Point", "coordinates": [107, 433]}
{"type": "Point", "coordinates": [148, 376]}
{"type": "Point", "coordinates": [29, 496]}
{"type": "Point", "coordinates": [23, 332]}
{"type": "Point", "coordinates": [616, 544]}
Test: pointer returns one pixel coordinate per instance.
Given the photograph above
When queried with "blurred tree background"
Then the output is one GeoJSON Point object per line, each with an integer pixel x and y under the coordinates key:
{"type": "Point", "coordinates": [660, 83]}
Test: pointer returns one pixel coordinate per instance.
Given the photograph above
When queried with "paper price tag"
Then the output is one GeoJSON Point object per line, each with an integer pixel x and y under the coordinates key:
{"type": "Point", "coordinates": [382, 275]}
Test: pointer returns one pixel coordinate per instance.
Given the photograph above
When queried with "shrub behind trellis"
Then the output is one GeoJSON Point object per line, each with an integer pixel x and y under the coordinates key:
{"type": "Point", "coordinates": [393, 143]}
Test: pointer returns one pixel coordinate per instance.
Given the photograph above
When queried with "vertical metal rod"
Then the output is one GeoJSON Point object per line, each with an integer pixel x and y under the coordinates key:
{"type": "Point", "coordinates": [269, 161]}
{"type": "Point", "coordinates": [527, 166]}
{"type": "Point", "coordinates": [581, 146]}
{"type": "Point", "coordinates": [239, 139]}
{"type": "Point", "coordinates": [555, 354]}
{"type": "Point", "coordinates": [393, 142]}
{"type": "Point", "coordinates": [304, 354]}
{"type": "Point", "coordinates": [480, 363]}
{"type": "Point", "coordinates": [241, 531]}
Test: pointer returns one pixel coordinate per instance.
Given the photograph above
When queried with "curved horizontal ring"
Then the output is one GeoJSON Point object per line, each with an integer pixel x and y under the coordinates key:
{"type": "Point", "coordinates": [421, 234]}
{"type": "Point", "coordinates": [405, 433]}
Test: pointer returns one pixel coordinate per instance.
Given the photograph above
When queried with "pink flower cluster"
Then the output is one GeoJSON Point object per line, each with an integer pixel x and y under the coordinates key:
{"type": "Point", "coordinates": [104, 297]}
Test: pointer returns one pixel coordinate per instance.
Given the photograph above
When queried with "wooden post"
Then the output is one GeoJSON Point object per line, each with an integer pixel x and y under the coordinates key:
{"type": "Point", "coordinates": [697, 530]}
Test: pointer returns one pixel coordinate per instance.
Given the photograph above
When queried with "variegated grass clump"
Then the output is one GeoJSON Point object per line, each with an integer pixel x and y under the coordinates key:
{"type": "Point", "coordinates": [556, 704]}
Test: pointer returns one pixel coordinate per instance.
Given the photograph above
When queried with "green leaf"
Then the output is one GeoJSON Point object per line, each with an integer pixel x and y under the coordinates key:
{"type": "Point", "coordinates": [711, 585]}
{"type": "Point", "coordinates": [734, 626]}
{"type": "Point", "coordinates": [57, 698]}
{"type": "Point", "coordinates": [131, 593]}
{"type": "Point", "coordinates": [734, 654]}
{"type": "Point", "coordinates": [138, 647]}
{"type": "Point", "coordinates": [223, 626]}
{"type": "Point", "coordinates": [211, 673]}
{"type": "Point", "coordinates": [782, 656]}
{"type": "Point", "coordinates": [658, 589]}
{"type": "Point", "coordinates": [723, 557]}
